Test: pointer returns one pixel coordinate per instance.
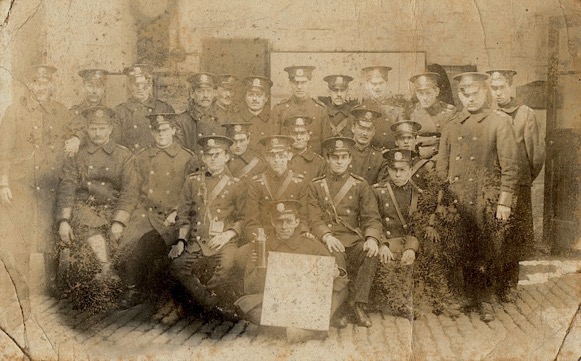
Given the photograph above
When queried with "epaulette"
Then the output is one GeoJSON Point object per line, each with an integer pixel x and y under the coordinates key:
{"type": "Point", "coordinates": [124, 147]}
{"type": "Point", "coordinates": [501, 113]}
{"type": "Point", "coordinates": [298, 175]}
{"type": "Point", "coordinates": [319, 178]}
{"type": "Point", "coordinates": [318, 155]}
{"type": "Point", "coordinates": [379, 185]}
{"type": "Point", "coordinates": [257, 178]}
{"type": "Point", "coordinates": [284, 101]}
{"type": "Point", "coordinates": [191, 152]}
{"type": "Point", "coordinates": [195, 175]}
{"type": "Point", "coordinates": [447, 106]}
{"type": "Point", "coordinates": [319, 103]}
{"type": "Point", "coordinates": [143, 150]}
{"type": "Point", "coordinates": [235, 179]}
{"type": "Point", "coordinates": [358, 177]}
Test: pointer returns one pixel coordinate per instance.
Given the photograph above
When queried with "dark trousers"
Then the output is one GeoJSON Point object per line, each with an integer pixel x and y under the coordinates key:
{"type": "Point", "coordinates": [360, 270]}
{"type": "Point", "coordinates": [145, 261]}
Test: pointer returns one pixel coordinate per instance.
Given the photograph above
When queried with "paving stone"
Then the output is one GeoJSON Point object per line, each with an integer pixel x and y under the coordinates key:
{"type": "Point", "coordinates": [204, 332]}
{"type": "Point", "coordinates": [440, 337]}
{"type": "Point", "coordinates": [187, 332]}
{"type": "Point", "coordinates": [571, 347]}
{"type": "Point", "coordinates": [221, 330]}
{"type": "Point", "coordinates": [235, 331]}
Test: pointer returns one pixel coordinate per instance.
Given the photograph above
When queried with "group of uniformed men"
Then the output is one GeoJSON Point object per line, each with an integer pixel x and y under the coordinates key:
{"type": "Point", "coordinates": [203, 185]}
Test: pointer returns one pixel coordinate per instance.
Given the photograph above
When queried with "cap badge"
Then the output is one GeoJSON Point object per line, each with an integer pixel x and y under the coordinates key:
{"type": "Point", "coordinates": [237, 128]}
{"type": "Point", "coordinates": [300, 72]}
{"type": "Point", "coordinates": [203, 77]}
{"type": "Point", "coordinates": [211, 143]}
{"type": "Point", "coordinates": [159, 118]}
{"type": "Point", "coordinates": [274, 141]}
{"type": "Point", "coordinates": [368, 115]}
{"type": "Point", "coordinates": [398, 156]}
{"type": "Point", "coordinates": [300, 121]}
{"type": "Point", "coordinates": [99, 113]}
{"type": "Point", "coordinates": [280, 207]}
{"type": "Point", "coordinates": [137, 71]}
{"type": "Point", "coordinates": [339, 79]}
{"type": "Point", "coordinates": [339, 144]}
{"type": "Point", "coordinates": [256, 82]}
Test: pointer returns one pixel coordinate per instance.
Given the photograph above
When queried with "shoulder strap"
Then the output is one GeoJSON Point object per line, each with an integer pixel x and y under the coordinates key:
{"type": "Point", "coordinates": [218, 189]}
{"type": "Point", "coordinates": [284, 185]}
{"type": "Point", "coordinates": [248, 167]}
{"type": "Point", "coordinates": [418, 165]}
{"type": "Point", "coordinates": [343, 191]}
{"type": "Point", "coordinates": [337, 129]}
{"type": "Point", "coordinates": [396, 206]}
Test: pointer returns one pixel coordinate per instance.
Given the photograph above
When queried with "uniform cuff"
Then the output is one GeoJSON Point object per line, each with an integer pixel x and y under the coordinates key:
{"type": "Point", "coordinates": [64, 214]}
{"type": "Point", "coordinates": [372, 232]}
{"type": "Point", "coordinates": [505, 199]}
{"type": "Point", "coordinates": [320, 231]}
{"type": "Point", "coordinates": [121, 217]}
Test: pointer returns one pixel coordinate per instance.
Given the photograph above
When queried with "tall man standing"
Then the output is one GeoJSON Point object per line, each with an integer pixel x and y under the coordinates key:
{"type": "Point", "coordinates": [131, 126]}
{"type": "Point", "coordinates": [225, 107]}
{"type": "Point", "coordinates": [256, 112]}
{"type": "Point", "coordinates": [301, 103]}
{"type": "Point", "coordinates": [339, 108]}
{"type": "Point", "coordinates": [94, 90]}
{"type": "Point", "coordinates": [478, 159]}
{"type": "Point", "coordinates": [343, 214]}
{"type": "Point", "coordinates": [531, 157]}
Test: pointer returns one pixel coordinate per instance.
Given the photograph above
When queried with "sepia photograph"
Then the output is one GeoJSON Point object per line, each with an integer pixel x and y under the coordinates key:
{"type": "Point", "coordinates": [290, 180]}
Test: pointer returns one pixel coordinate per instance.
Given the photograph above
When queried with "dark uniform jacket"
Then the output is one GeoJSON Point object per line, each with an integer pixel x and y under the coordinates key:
{"type": "Point", "coordinates": [197, 122]}
{"type": "Point", "coordinates": [369, 164]}
{"type": "Point", "coordinates": [246, 166]}
{"type": "Point", "coordinates": [478, 159]}
{"type": "Point", "coordinates": [225, 114]}
{"type": "Point", "coordinates": [356, 216]}
{"type": "Point", "coordinates": [340, 119]}
{"type": "Point", "coordinates": [261, 125]}
{"type": "Point", "coordinates": [161, 176]}
{"type": "Point", "coordinates": [210, 204]}
{"type": "Point", "coordinates": [131, 125]}
{"type": "Point", "coordinates": [267, 187]}
{"type": "Point", "coordinates": [99, 184]}
{"type": "Point", "coordinates": [314, 108]}
{"type": "Point", "coordinates": [384, 137]}
{"type": "Point", "coordinates": [307, 163]}
{"type": "Point", "coordinates": [396, 235]}
{"type": "Point", "coordinates": [433, 120]}
{"type": "Point", "coordinates": [420, 170]}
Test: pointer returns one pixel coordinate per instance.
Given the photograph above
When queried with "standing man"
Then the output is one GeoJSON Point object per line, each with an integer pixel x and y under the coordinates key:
{"type": "Point", "coordinates": [256, 113]}
{"type": "Point", "coordinates": [244, 162]}
{"type": "Point", "coordinates": [406, 135]}
{"type": "Point", "coordinates": [32, 141]}
{"type": "Point", "coordinates": [131, 125]}
{"type": "Point", "coordinates": [94, 90]}
{"type": "Point", "coordinates": [531, 157]}
{"type": "Point", "coordinates": [225, 107]}
{"type": "Point", "coordinates": [300, 102]}
{"type": "Point", "coordinates": [367, 161]}
{"type": "Point", "coordinates": [478, 159]}
{"type": "Point", "coordinates": [342, 213]}
{"type": "Point", "coordinates": [432, 114]}
{"type": "Point", "coordinates": [200, 118]}
{"type": "Point", "coordinates": [96, 195]}
{"type": "Point", "coordinates": [161, 172]}
{"type": "Point", "coordinates": [339, 109]}
{"type": "Point", "coordinates": [375, 85]}
{"type": "Point", "coordinates": [302, 158]}
{"type": "Point", "coordinates": [209, 222]}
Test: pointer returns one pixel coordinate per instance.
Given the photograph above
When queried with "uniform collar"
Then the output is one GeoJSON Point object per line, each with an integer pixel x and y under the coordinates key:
{"type": "Point", "coordinates": [478, 117]}
{"type": "Point", "coordinates": [264, 114]}
{"type": "Point", "coordinates": [334, 110]}
{"type": "Point", "coordinates": [404, 187]}
{"type": "Point", "coordinates": [219, 176]}
{"type": "Point", "coordinates": [435, 109]}
{"type": "Point", "coordinates": [272, 174]}
{"type": "Point", "coordinates": [296, 100]}
{"type": "Point", "coordinates": [511, 106]}
{"type": "Point", "coordinates": [198, 110]}
{"type": "Point", "coordinates": [108, 147]}
{"type": "Point", "coordinates": [293, 242]}
{"type": "Point", "coordinates": [335, 178]}
{"type": "Point", "coordinates": [172, 150]}
{"type": "Point", "coordinates": [361, 148]}
{"type": "Point", "coordinates": [307, 154]}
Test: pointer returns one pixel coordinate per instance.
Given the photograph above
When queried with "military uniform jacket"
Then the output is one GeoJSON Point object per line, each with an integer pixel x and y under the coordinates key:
{"type": "Point", "coordinates": [406, 198]}
{"type": "Point", "coordinates": [369, 164]}
{"type": "Point", "coordinates": [80, 122]}
{"type": "Point", "coordinates": [224, 114]}
{"type": "Point", "coordinates": [210, 204]}
{"type": "Point", "coordinates": [308, 163]}
{"type": "Point", "coordinates": [420, 170]}
{"type": "Point", "coordinates": [314, 108]}
{"type": "Point", "coordinates": [246, 166]}
{"type": "Point", "coordinates": [384, 137]}
{"type": "Point", "coordinates": [478, 158]}
{"type": "Point", "coordinates": [131, 126]}
{"type": "Point", "coordinates": [99, 184]}
{"type": "Point", "coordinates": [261, 125]}
{"type": "Point", "coordinates": [357, 208]}
{"type": "Point", "coordinates": [531, 144]}
{"type": "Point", "coordinates": [340, 119]}
{"type": "Point", "coordinates": [197, 122]}
{"type": "Point", "coordinates": [433, 120]}
{"type": "Point", "coordinates": [267, 187]}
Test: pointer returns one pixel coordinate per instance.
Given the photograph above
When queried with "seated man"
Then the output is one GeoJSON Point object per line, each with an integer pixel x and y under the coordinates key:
{"type": "Point", "coordinates": [209, 222]}
{"type": "Point", "coordinates": [244, 163]}
{"type": "Point", "coordinates": [161, 170]}
{"type": "Point", "coordinates": [286, 238]}
{"type": "Point", "coordinates": [342, 213]}
{"type": "Point", "coordinates": [95, 198]}
{"type": "Point", "coordinates": [302, 158]}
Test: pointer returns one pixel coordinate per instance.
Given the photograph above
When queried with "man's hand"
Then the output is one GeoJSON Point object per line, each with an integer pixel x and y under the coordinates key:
{"type": "Point", "coordinates": [116, 231]}
{"type": "Point", "coordinates": [177, 249]}
{"type": "Point", "coordinates": [371, 247]}
{"type": "Point", "coordinates": [502, 212]}
{"type": "Point", "coordinates": [408, 257]}
{"type": "Point", "coordinates": [220, 240]}
{"type": "Point", "coordinates": [171, 219]}
{"type": "Point", "coordinates": [66, 232]}
{"type": "Point", "coordinates": [385, 255]}
{"type": "Point", "coordinates": [431, 234]}
{"type": "Point", "coordinates": [72, 146]}
{"type": "Point", "coordinates": [5, 195]}
{"type": "Point", "coordinates": [333, 244]}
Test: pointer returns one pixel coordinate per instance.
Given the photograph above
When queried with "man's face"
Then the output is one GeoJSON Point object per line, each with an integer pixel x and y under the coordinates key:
{"type": "Point", "coordinates": [473, 97]}
{"type": "Point", "coordinates": [256, 100]}
{"type": "Point", "coordinates": [99, 133]}
{"type": "Point", "coordinates": [215, 159]}
{"type": "Point", "coordinates": [285, 226]}
{"type": "Point", "coordinates": [163, 135]}
{"type": "Point", "coordinates": [339, 162]}
{"type": "Point", "coordinates": [203, 96]}
{"type": "Point", "coordinates": [400, 173]}
{"type": "Point", "coordinates": [141, 88]}
{"type": "Point", "coordinates": [277, 161]}
{"type": "Point", "coordinates": [240, 144]}
{"type": "Point", "coordinates": [300, 88]}
{"type": "Point", "coordinates": [42, 88]}
{"type": "Point", "coordinates": [338, 96]}
{"type": "Point", "coordinates": [501, 91]}
{"type": "Point", "coordinates": [427, 96]}
{"type": "Point", "coordinates": [224, 96]}
{"type": "Point", "coordinates": [362, 135]}
{"type": "Point", "coordinates": [406, 141]}
{"type": "Point", "coordinates": [94, 91]}
{"type": "Point", "coordinates": [376, 87]}
{"type": "Point", "coordinates": [301, 138]}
